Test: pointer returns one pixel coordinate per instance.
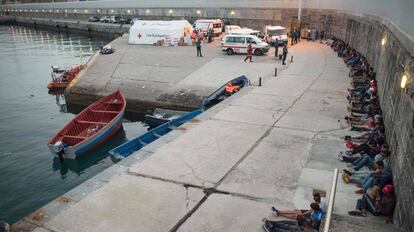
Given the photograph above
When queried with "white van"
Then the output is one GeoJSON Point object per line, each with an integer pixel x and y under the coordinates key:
{"type": "Point", "coordinates": [238, 44]}
{"type": "Point", "coordinates": [205, 24]}
{"type": "Point", "coordinates": [273, 32]}
{"type": "Point", "coordinates": [244, 31]}
{"type": "Point", "coordinates": [229, 28]}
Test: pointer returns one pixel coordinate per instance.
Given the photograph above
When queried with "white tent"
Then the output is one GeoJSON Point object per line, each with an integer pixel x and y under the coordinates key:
{"type": "Point", "coordinates": [149, 32]}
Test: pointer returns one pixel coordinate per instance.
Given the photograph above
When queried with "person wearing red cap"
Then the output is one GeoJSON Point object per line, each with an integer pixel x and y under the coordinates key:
{"type": "Point", "coordinates": [375, 203]}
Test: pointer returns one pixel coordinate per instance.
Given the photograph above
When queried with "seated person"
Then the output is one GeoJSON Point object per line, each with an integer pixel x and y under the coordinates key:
{"type": "Point", "coordinates": [359, 177]}
{"type": "Point", "coordinates": [351, 155]}
{"type": "Point", "coordinates": [317, 198]}
{"type": "Point", "coordinates": [288, 226]}
{"type": "Point", "coordinates": [314, 213]}
{"type": "Point", "coordinates": [367, 160]}
{"type": "Point", "coordinates": [384, 178]}
{"type": "Point", "coordinates": [376, 204]}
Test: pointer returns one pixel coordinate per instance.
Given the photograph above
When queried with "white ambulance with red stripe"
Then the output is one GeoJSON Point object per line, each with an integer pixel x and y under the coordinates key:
{"type": "Point", "coordinates": [232, 44]}
{"type": "Point", "coordinates": [272, 33]}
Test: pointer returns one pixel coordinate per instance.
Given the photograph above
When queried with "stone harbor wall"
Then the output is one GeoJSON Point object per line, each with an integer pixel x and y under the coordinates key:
{"type": "Point", "coordinates": [363, 31]}
{"type": "Point", "coordinates": [391, 62]}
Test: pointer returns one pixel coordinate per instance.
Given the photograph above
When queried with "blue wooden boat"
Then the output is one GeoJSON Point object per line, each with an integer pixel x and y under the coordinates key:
{"type": "Point", "coordinates": [126, 149]}
{"type": "Point", "coordinates": [220, 94]}
{"type": "Point", "coordinates": [160, 116]}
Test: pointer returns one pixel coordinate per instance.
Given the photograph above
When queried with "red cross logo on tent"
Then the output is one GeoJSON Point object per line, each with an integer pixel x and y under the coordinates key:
{"type": "Point", "coordinates": [139, 35]}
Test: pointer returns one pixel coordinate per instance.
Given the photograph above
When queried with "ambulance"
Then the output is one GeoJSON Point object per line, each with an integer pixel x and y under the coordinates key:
{"type": "Point", "coordinates": [273, 32]}
{"type": "Point", "coordinates": [232, 44]}
{"type": "Point", "coordinates": [204, 25]}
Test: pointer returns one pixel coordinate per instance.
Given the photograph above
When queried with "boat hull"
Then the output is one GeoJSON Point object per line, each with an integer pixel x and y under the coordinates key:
{"type": "Point", "coordinates": [90, 128]}
{"type": "Point", "coordinates": [73, 152]}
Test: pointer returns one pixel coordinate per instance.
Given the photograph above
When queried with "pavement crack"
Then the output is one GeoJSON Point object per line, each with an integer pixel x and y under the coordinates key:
{"type": "Point", "coordinates": [202, 182]}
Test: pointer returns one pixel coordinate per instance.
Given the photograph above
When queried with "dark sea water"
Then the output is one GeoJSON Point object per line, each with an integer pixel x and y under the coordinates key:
{"type": "Point", "coordinates": [29, 175]}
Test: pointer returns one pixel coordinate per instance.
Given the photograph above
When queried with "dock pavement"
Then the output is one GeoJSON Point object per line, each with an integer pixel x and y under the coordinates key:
{"type": "Point", "coordinates": [268, 145]}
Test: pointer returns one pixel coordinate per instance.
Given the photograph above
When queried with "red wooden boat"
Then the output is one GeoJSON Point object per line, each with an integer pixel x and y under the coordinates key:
{"type": "Point", "coordinates": [91, 127]}
{"type": "Point", "coordinates": [62, 81]}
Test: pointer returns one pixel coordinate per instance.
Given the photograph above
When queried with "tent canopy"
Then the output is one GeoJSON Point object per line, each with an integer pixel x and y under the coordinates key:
{"type": "Point", "coordinates": [149, 32]}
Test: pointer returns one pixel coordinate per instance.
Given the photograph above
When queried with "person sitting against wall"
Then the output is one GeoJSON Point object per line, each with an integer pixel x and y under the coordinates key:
{"type": "Point", "coordinates": [368, 161]}
{"type": "Point", "coordinates": [376, 203]}
{"type": "Point", "coordinates": [360, 177]}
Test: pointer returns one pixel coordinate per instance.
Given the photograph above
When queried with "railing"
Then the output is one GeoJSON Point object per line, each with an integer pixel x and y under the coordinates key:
{"type": "Point", "coordinates": [331, 201]}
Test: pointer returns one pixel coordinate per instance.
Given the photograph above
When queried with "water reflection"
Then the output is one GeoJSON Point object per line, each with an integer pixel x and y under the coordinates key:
{"type": "Point", "coordinates": [94, 157]}
{"type": "Point", "coordinates": [61, 41]}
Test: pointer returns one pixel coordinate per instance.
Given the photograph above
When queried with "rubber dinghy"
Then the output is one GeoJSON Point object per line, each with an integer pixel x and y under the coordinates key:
{"type": "Point", "coordinates": [90, 128]}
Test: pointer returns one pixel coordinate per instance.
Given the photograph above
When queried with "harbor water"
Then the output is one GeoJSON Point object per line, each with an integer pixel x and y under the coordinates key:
{"type": "Point", "coordinates": [30, 176]}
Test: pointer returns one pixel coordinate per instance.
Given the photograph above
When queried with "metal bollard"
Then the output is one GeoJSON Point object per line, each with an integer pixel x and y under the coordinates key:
{"type": "Point", "coordinates": [260, 81]}
{"type": "Point", "coordinates": [275, 72]}
{"type": "Point", "coordinates": [291, 59]}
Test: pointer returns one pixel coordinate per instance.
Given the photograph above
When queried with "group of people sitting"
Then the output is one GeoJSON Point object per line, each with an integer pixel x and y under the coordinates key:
{"type": "Point", "coordinates": [307, 220]}
{"type": "Point", "coordinates": [367, 156]}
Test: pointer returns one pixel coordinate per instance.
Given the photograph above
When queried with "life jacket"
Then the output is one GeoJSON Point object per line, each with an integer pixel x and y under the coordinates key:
{"type": "Point", "coordinates": [230, 88]}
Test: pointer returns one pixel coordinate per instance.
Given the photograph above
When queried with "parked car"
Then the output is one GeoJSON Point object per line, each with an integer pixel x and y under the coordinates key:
{"type": "Point", "coordinates": [114, 19]}
{"type": "Point", "coordinates": [123, 20]}
{"type": "Point", "coordinates": [238, 44]}
{"type": "Point", "coordinates": [105, 19]}
{"type": "Point", "coordinates": [94, 19]}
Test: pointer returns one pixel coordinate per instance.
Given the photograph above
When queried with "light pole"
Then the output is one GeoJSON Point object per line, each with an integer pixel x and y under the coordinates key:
{"type": "Point", "coordinates": [299, 11]}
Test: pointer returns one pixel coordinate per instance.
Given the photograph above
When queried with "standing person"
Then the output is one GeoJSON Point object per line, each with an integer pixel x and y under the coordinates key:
{"type": "Point", "coordinates": [198, 45]}
{"type": "Point", "coordinates": [249, 52]}
{"type": "Point", "coordinates": [276, 47]}
{"type": "Point", "coordinates": [296, 36]}
{"type": "Point", "coordinates": [285, 52]}
{"type": "Point", "coordinates": [210, 35]}
{"type": "Point", "coordinates": [313, 34]}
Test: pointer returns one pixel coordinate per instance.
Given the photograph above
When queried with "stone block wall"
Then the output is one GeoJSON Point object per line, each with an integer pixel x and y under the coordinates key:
{"type": "Point", "coordinates": [391, 62]}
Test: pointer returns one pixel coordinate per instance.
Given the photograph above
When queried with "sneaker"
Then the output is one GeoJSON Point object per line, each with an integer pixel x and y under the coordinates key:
{"type": "Point", "coordinates": [360, 191]}
{"type": "Point", "coordinates": [267, 226]}
{"type": "Point", "coordinates": [348, 172]}
{"type": "Point", "coordinates": [355, 213]}
{"type": "Point", "coordinates": [275, 211]}
{"type": "Point", "coordinates": [345, 178]}
{"type": "Point", "coordinates": [340, 156]}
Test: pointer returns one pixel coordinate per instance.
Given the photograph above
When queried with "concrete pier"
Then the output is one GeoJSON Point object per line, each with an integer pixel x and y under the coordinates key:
{"type": "Point", "coordinates": [269, 145]}
{"type": "Point", "coordinates": [167, 77]}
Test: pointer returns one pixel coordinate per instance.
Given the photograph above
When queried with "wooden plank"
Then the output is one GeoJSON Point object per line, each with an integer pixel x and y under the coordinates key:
{"type": "Point", "coordinates": [104, 111]}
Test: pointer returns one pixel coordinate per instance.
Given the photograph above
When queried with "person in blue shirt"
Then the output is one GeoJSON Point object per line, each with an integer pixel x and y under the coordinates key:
{"type": "Point", "coordinates": [314, 213]}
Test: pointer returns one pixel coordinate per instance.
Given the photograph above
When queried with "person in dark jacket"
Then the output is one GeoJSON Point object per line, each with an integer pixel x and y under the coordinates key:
{"type": "Point", "coordinates": [198, 45]}
{"type": "Point", "coordinates": [276, 44]}
{"type": "Point", "coordinates": [376, 204]}
{"type": "Point", "coordinates": [285, 52]}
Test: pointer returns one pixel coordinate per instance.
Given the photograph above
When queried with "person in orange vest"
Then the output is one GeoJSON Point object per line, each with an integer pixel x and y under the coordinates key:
{"type": "Point", "coordinates": [249, 52]}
